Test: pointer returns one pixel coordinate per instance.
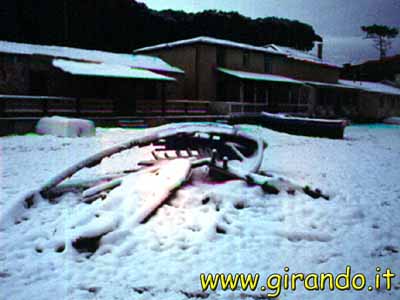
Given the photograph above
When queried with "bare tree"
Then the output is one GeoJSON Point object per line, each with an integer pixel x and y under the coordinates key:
{"type": "Point", "coordinates": [382, 36]}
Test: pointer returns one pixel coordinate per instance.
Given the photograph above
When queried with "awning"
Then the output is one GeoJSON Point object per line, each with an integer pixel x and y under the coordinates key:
{"type": "Point", "coordinates": [331, 85]}
{"type": "Point", "coordinates": [259, 76]}
{"type": "Point", "coordinates": [106, 70]}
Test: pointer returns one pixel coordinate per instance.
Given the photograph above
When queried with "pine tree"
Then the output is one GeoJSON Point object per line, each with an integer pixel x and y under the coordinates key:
{"type": "Point", "coordinates": [382, 36]}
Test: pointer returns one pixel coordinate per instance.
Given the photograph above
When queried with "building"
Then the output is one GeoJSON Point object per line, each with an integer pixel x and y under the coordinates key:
{"type": "Point", "coordinates": [200, 76]}
{"type": "Point", "coordinates": [327, 97]}
{"type": "Point", "coordinates": [69, 80]}
{"type": "Point", "coordinates": [239, 77]}
{"type": "Point", "coordinates": [375, 101]}
{"type": "Point", "coordinates": [387, 68]}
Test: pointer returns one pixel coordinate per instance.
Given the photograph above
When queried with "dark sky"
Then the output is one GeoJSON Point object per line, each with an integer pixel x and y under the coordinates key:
{"type": "Point", "coordinates": [338, 21]}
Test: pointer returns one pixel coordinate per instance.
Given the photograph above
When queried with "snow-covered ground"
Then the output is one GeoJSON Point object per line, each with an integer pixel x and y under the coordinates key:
{"type": "Point", "coordinates": [257, 233]}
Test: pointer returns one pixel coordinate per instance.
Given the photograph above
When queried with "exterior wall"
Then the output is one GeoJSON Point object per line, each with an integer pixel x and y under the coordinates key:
{"type": "Point", "coordinates": [184, 58]}
{"type": "Point", "coordinates": [14, 76]}
{"type": "Point", "coordinates": [207, 76]}
{"type": "Point", "coordinates": [304, 71]}
{"type": "Point", "coordinates": [234, 60]}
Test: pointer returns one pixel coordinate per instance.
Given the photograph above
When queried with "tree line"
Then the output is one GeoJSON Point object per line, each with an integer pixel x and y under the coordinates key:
{"type": "Point", "coordinates": [124, 25]}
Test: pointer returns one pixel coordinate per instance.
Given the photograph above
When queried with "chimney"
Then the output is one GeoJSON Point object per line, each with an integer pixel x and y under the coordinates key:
{"type": "Point", "coordinates": [320, 48]}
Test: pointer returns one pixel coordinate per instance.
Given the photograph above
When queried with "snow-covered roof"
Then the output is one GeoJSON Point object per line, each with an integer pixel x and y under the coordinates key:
{"type": "Point", "coordinates": [372, 86]}
{"type": "Point", "coordinates": [301, 55]}
{"type": "Point", "coordinates": [331, 85]}
{"type": "Point", "coordinates": [259, 76]}
{"type": "Point", "coordinates": [212, 41]}
{"type": "Point", "coordinates": [125, 59]}
{"type": "Point", "coordinates": [105, 70]}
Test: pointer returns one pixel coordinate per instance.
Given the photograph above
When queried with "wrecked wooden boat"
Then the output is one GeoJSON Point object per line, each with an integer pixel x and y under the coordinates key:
{"type": "Point", "coordinates": [119, 203]}
{"type": "Point", "coordinates": [333, 129]}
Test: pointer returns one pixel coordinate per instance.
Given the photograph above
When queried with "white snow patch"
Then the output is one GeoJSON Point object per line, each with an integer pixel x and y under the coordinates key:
{"type": "Point", "coordinates": [302, 55]}
{"type": "Point", "coordinates": [207, 227]}
{"type": "Point", "coordinates": [212, 41]}
{"type": "Point", "coordinates": [106, 70]}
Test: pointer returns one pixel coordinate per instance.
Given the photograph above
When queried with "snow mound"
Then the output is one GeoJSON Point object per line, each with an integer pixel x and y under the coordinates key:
{"type": "Point", "coordinates": [65, 127]}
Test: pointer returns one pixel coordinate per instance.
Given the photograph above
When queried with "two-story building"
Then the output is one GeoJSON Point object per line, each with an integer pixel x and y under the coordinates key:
{"type": "Point", "coordinates": [239, 77]}
{"type": "Point", "coordinates": [234, 76]}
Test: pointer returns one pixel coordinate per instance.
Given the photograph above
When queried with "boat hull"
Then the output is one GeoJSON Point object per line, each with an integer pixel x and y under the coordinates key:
{"type": "Point", "coordinates": [333, 129]}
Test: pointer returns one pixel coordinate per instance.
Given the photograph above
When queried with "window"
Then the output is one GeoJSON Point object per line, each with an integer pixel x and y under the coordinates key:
{"type": "Point", "coordinates": [221, 57]}
{"type": "Point", "coordinates": [267, 64]}
{"type": "Point", "coordinates": [246, 59]}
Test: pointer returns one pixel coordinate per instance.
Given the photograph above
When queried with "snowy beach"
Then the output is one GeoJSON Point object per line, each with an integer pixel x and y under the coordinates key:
{"type": "Point", "coordinates": [227, 227]}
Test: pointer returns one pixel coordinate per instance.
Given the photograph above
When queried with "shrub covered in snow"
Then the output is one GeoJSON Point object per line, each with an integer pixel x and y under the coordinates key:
{"type": "Point", "coordinates": [65, 127]}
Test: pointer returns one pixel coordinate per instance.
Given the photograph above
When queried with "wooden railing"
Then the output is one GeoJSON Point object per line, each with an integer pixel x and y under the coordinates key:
{"type": "Point", "coordinates": [226, 107]}
{"type": "Point", "coordinates": [12, 105]}
{"type": "Point", "coordinates": [172, 107]}
{"type": "Point", "coordinates": [237, 107]}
